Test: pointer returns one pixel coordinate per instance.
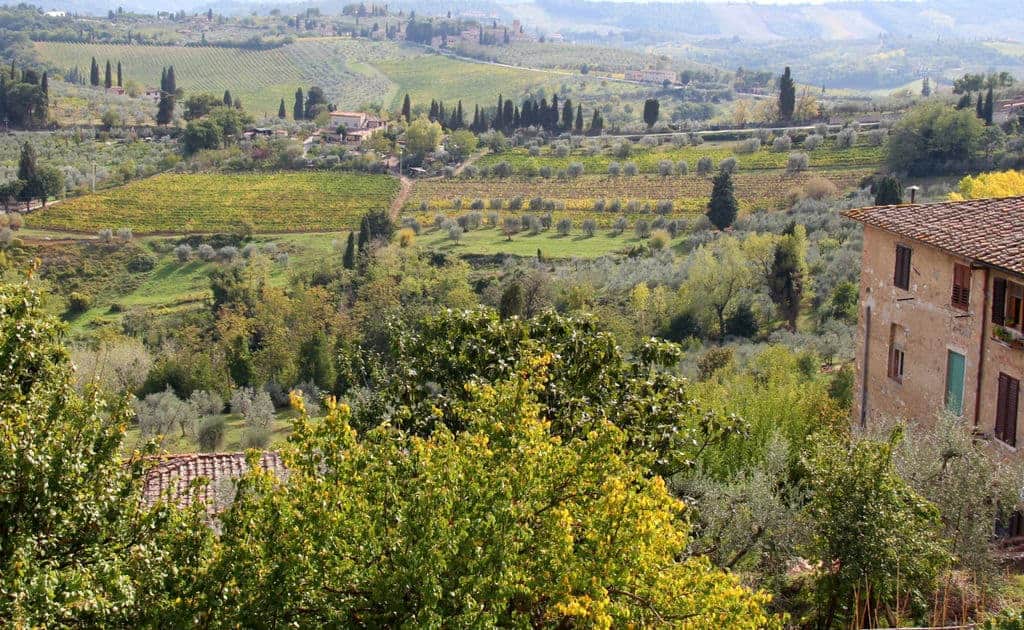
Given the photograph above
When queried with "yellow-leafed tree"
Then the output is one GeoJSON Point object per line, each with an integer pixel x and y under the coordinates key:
{"type": "Point", "coordinates": [1001, 184]}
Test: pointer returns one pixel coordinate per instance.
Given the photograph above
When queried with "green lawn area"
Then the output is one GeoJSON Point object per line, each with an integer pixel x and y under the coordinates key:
{"type": "Point", "coordinates": [233, 435]}
{"type": "Point", "coordinates": [490, 241]}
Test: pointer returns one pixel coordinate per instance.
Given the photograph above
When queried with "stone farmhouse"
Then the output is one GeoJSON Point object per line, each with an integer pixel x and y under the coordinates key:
{"type": "Point", "coordinates": [941, 322]}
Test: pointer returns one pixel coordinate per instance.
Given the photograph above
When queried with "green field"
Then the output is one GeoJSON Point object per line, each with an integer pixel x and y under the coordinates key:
{"type": "Point", "coordinates": [268, 202]}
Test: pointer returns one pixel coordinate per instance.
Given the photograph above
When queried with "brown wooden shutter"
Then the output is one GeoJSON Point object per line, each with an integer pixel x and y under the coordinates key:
{"type": "Point", "coordinates": [961, 297]}
{"type": "Point", "coordinates": [902, 273]}
{"type": "Point", "coordinates": [1000, 428]}
{"type": "Point", "coordinates": [1010, 422]}
{"type": "Point", "coordinates": [998, 301]}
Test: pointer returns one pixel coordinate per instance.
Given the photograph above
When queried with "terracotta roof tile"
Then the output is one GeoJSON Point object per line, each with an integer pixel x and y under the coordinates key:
{"type": "Point", "coordinates": [175, 473]}
{"type": "Point", "coordinates": [987, 230]}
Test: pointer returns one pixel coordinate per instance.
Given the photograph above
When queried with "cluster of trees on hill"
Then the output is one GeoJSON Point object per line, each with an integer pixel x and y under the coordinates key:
{"type": "Point", "coordinates": [507, 116]}
{"type": "Point", "coordinates": [34, 181]}
{"type": "Point", "coordinates": [108, 80]}
{"type": "Point", "coordinates": [24, 98]}
{"type": "Point", "coordinates": [309, 107]}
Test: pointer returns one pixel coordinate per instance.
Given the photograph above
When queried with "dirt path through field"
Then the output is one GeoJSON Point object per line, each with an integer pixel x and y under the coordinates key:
{"type": "Point", "coordinates": [402, 197]}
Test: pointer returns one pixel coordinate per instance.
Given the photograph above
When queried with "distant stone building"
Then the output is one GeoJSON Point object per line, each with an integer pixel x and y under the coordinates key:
{"type": "Point", "coordinates": [941, 323]}
{"type": "Point", "coordinates": [651, 76]}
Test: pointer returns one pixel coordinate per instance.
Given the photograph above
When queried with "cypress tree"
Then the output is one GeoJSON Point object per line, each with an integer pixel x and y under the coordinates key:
{"type": "Point", "coordinates": [282, 113]}
{"type": "Point", "coordinates": [165, 109]}
{"type": "Point", "coordinates": [979, 107]}
{"type": "Point", "coordinates": [722, 209]}
{"type": "Point", "coordinates": [348, 259]}
{"type": "Point", "coordinates": [364, 235]}
{"type": "Point", "coordinates": [888, 191]}
{"type": "Point", "coordinates": [108, 80]}
{"type": "Point", "coordinates": [298, 109]}
{"type": "Point", "coordinates": [579, 119]}
{"type": "Point", "coordinates": [989, 110]}
{"type": "Point", "coordinates": [787, 96]}
{"type": "Point", "coordinates": [94, 73]}
{"type": "Point", "coordinates": [315, 361]}
{"type": "Point", "coordinates": [45, 86]}
{"type": "Point", "coordinates": [407, 108]}
{"type": "Point", "coordinates": [28, 174]}
{"type": "Point", "coordinates": [512, 302]}
{"type": "Point", "coordinates": [120, 76]}
{"type": "Point", "coordinates": [651, 109]}
{"type": "Point", "coordinates": [567, 115]}
{"type": "Point", "coordinates": [788, 274]}
{"type": "Point", "coordinates": [227, 100]}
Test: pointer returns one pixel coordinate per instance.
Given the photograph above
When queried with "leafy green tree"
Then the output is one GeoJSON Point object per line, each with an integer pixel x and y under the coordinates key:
{"type": "Point", "coordinates": [49, 184]}
{"type": "Point", "coordinates": [316, 365]}
{"type": "Point", "coordinates": [10, 191]}
{"type": "Point", "coordinates": [867, 521]}
{"type": "Point", "coordinates": [231, 121]}
{"type": "Point", "coordinates": [888, 191]}
{"type": "Point", "coordinates": [720, 274]}
{"type": "Point", "coordinates": [316, 102]}
{"type": "Point", "coordinates": [722, 208]}
{"type": "Point", "coordinates": [461, 143]}
{"type": "Point", "coordinates": [537, 532]}
{"type": "Point", "coordinates": [787, 96]}
{"type": "Point", "coordinates": [651, 109]}
{"type": "Point", "coordinates": [78, 547]}
{"type": "Point", "coordinates": [199, 105]}
{"type": "Point", "coordinates": [422, 136]}
{"type": "Point", "coordinates": [201, 134]}
{"type": "Point", "coordinates": [789, 276]}
{"type": "Point", "coordinates": [933, 138]}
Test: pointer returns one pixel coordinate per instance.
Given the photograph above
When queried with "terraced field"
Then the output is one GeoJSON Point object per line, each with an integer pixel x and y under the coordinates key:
{"type": "Point", "coordinates": [648, 159]}
{"type": "Point", "coordinates": [268, 202]}
{"type": "Point", "coordinates": [689, 194]}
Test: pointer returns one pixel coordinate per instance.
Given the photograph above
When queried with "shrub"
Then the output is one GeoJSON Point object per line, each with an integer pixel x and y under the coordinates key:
{"type": "Point", "coordinates": [615, 205]}
{"type": "Point", "coordinates": [406, 237]}
{"type": "Point", "coordinates": [455, 233]}
{"type": "Point", "coordinates": [79, 302]}
{"type": "Point", "coordinates": [614, 169]}
{"type": "Point", "coordinates": [764, 135]}
{"type": "Point", "coordinates": [664, 207]}
{"type": "Point", "coordinates": [821, 130]}
{"type": "Point", "coordinates": [534, 151]}
{"type": "Point", "coordinates": [564, 227]}
{"type": "Point", "coordinates": [255, 407]}
{"type": "Point", "coordinates": [228, 253]}
{"type": "Point", "coordinates": [575, 169]}
{"type": "Point", "coordinates": [875, 137]}
{"type": "Point", "coordinates": [623, 150]}
{"type": "Point", "coordinates": [105, 235]}
{"type": "Point", "coordinates": [255, 438]}
{"type": "Point", "coordinates": [496, 204]}
{"type": "Point", "coordinates": [682, 168]}
{"type": "Point", "coordinates": [633, 206]}
{"type": "Point", "coordinates": [477, 204]}
{"type": "Point", "coordinates": [630, 169]}
{"type": "Point", "coordinates": [642, 228]}
{"type": "Point", "coordinates": [713, 360]}
{"type": "Point", "coordinates": [457, 203]}
{"type": "Point", "coordinates": [492, 219]}
{"type": "Point", "coordinates": [599, 205]}
{"type": "Point", "coordinates": [545, 172]}
{"type": "Point", "coordinates": [782, 144]}
{"type": "Point", "coordinates": [797, 162]}
{"type": "Point", "coordinates": [439, 220]}
{"type": "Point", "coordinates": [211, 434]}
{"type": "Point", "coordinates": [728, 165]}
{"type": "Point", "coordinates": [750, 145]}
{"type": "Point", "coordinates": [512, 225]}
{"type": "Point", "coordinates": [589, 227]}
{"type": "Point", "coordinates": [741, 322]}
{"type": "Point", "coordinates": [536, 204]}
{"type": "Point", "coordinates": [620, 225]}
{"type": "Point", "coordinates": [704, 166]}
{"type": "Point", "coordinates": [515, 204]}
{"type": "Point", "coordinates": [207, 252]}
{"type": "Point", "coordinates": [415, 226]}
{"type": "Point", "coordinates": [183, 252]}
{"type": "Point", "coordinates": [502, 170]}
{"type": "Point", "coordinates": [665, 168]}
{"type": "Point", "coordinates": [562, 150]}
{"type": "Point", "coordinates": [812, 142]}
{"type": "Point", "coordinates": [659, 240]}
{"type": "Point", "coordinates": [819, 188]}
{"type": "Point", "coordinates": [124, 234]}
{"type": "Point", "coordinates": [846, 138]}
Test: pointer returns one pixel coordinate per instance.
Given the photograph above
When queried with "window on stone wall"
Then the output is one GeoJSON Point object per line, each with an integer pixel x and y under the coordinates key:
{"type": "Point", "coordinates": [901, 277]}
{"type": "Point", "coordinates": [896, 353]}
{"type": "Point", "coordinates": [1006, 409]}
{"type": "Point", "coordinates": [961, 298]}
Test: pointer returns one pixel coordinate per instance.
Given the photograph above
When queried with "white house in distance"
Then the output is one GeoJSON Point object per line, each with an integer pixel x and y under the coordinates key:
{"type": "Point", "coordinates": [354, 121]}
